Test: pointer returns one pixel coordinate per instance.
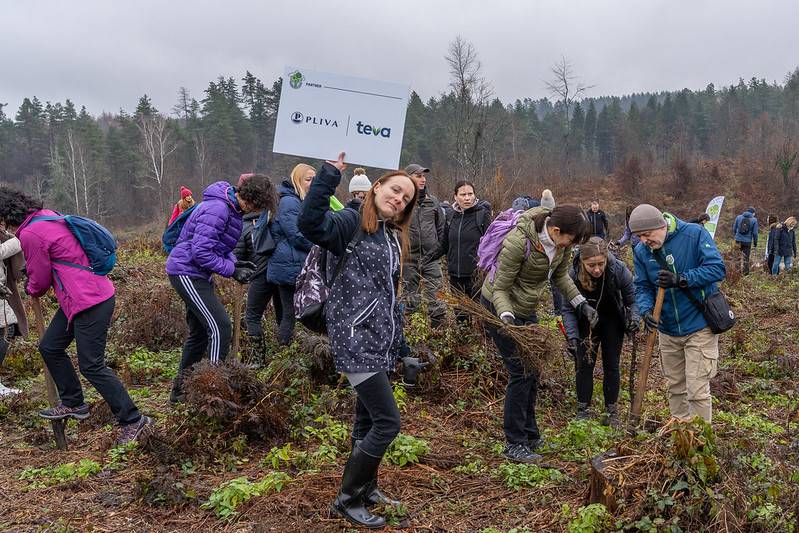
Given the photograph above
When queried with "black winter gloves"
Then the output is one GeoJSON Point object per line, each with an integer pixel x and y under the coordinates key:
{"type": "Point", "coordinates": [589, 313]}
{"type": "Point", "coordinates": [245, 264]}
{"type": "Point", "coordinates": [243, 274]}
{"type": "Point", "coordinates": [650, 324]}
{"type": "Point", "coordinates": [668, 279]}
{"type": "Point", "coordinates": [572, 348]}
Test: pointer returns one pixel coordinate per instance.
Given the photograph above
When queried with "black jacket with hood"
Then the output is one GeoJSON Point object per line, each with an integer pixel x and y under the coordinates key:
{"type": "Point", "coordinates": [618, 285]}
{"type": "Point", "coordinates": [245, 248]}
{"type": "Point", "coordinates": [462, 235]}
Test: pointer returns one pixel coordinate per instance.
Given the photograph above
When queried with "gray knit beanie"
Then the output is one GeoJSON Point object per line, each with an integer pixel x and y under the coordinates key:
{"type": "Point", "coordinates": [646, 217]}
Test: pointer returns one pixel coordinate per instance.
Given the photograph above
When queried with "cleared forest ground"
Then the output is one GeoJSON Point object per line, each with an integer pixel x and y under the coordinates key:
{"type": "Point", "coordinates": [285, 429]}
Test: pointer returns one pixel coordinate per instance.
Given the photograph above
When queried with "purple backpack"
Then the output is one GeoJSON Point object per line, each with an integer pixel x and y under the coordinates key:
{"type": "Point", "coordinates": [491, 242]}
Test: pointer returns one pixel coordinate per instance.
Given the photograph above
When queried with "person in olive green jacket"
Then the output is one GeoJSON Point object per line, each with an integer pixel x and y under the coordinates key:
{"type": "Point", "coordinates": [536, 250]}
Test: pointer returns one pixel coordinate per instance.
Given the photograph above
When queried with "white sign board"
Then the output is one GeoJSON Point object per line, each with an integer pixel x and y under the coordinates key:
{"type": "Point", "coordinates": [714, 211]}
{"type": "Point", "coordinates": [322, 114]}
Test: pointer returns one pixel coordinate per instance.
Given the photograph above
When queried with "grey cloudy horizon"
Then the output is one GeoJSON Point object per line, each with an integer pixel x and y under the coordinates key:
{"type": "Point", "coordinates": [105, 55]}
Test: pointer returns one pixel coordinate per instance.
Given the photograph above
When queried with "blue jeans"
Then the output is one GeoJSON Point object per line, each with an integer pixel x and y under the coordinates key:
{"type": "Point", "coordinates": [775, 268]}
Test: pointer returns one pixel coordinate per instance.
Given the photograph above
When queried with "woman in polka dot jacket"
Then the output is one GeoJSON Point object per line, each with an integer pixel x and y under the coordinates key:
{"type": "Point", "coordinates": [364, 321]}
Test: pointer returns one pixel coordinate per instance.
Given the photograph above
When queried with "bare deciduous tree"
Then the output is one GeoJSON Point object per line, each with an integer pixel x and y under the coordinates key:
{"type": "Point", "coordinates": [203, 155]}
{"type": "Point", "coordinates": [182, 107]}
{"type": "Point", "coordinates": [73, 156]}
{"type": "Point", "coordinates": [566, 90]}
{"type": "Point", "coordinates": [472, 92]}
{"type": "Point", "coordinates": [157, 145]}
{"type": "Point", "coordinates": [786, 157]}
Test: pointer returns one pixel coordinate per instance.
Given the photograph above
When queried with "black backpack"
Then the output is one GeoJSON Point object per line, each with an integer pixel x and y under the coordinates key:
{"type": "Point", "coordinates": [745, 226]}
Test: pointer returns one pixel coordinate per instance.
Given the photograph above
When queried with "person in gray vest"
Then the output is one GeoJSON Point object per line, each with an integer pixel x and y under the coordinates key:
{"type": "Point", "coordinates": [422, 275]}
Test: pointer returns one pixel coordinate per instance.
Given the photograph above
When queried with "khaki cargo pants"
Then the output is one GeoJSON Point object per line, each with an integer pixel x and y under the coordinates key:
{"type": "Point", "coordinates": [689, 363]}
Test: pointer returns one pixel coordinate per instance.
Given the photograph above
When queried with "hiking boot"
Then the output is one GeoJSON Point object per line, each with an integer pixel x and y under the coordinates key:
{"type": "Point", "coordinates": [176, 397]}
{"type": "Point", "coordinates": [611, 415]}
{"type": "Point", "coordinates": [535, 444]}
{"type": "Point", "coordinates": [61, 411]}
{"type": "Point", "coordinates": [582, 412]}
{"type": "Point", "coordinates": [131, 432]}
{"type": "Point", "coordinates": [520, 453]}
{"type": "Point", "coordinates": [256, 351]}
{"type": "Point", "coordinates": [7, 391]}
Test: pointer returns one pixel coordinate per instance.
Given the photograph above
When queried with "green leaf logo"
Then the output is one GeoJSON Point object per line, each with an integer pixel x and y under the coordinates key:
{"type": "Point", "coordinates": [295, 79]}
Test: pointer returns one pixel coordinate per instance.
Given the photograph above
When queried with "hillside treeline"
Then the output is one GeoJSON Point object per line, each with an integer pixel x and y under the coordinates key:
{"type": "Point", "coordinates": [126, 167]}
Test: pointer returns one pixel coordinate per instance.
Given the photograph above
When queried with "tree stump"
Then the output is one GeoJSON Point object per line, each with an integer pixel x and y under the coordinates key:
{"type": "Point", "coordinates": [602, 489]}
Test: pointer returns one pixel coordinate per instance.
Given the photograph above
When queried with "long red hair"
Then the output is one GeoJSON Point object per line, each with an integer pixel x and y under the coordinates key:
{"type": "Point", "coordinates": [370, 218]}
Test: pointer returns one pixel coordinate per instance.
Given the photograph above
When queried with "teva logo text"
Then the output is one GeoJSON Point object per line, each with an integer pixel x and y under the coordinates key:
{"type": "Point", "coordinates": [298, 118]}
{"type": "Point", "coordinates": [367, 129]}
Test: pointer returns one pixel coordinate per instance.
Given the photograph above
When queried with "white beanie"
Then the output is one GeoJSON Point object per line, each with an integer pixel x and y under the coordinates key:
{"type": "Point", "coordinates": [547, 200]}
{"type": "Point", "coordinates": [360, 183]}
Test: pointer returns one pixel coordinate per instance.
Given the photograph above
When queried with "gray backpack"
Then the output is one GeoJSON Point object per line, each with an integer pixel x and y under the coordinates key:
{"type": "Point", "coordinates": [313, 287]}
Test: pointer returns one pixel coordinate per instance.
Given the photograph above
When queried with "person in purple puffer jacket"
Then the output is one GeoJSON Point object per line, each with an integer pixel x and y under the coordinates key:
{"type": "Point", "coordinates": [204, 248]}
{"type": "Point", "coordinates": [54, 258]}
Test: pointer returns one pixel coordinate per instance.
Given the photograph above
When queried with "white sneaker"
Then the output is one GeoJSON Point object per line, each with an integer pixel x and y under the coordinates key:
{"type": "Point", "coordinates": [7, 391]}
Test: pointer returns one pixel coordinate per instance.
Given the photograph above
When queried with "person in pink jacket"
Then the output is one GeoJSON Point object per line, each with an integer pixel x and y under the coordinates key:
{"type": "Point", "coordinates": [54, 258]}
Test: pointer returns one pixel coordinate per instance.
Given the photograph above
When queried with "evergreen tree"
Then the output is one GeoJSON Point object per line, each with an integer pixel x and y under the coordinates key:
{"type": "Point", "coordinates": [577, 130]}
{"type": "Point", "coordinates": [589, 129]}
{"type": "Point", "coordinates": [31, 137]}
{"type": "Point", "coordinates": [144, 108]}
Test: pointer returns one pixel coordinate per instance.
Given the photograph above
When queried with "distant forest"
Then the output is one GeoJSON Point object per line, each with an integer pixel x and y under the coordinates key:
{"type": "Point", "coordinates": [125, 168]}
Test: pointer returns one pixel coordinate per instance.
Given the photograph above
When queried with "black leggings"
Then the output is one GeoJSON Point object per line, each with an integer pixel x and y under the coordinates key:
{"type": "Point", "coordinates": [609, 334]}
{"type": "Point", "coordinates": [258, 296]}
{"type": "Point", "coordinates": [377, 418]}
{"type": "Point", "coordinates": [285, 329]}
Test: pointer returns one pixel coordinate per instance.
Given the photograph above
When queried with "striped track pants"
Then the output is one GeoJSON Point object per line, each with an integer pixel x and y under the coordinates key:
{"type": "Point", "coordinates": [209, 324]}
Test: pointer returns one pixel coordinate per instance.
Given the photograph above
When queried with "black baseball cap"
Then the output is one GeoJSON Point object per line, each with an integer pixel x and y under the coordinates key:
{"type": "Point", "coordinates": [416, 169]}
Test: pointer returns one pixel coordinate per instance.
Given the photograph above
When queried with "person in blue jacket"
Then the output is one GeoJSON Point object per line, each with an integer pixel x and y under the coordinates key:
{"type": "Point", "coordinates": [291, 246]}
{"type": "Point", "coordinates": [679, 257]}
{"type": "Point", "coordinates": [745, 232]}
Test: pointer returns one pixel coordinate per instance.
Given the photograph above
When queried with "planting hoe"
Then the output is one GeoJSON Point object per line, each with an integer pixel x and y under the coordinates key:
{"type": "Point", "coordinates": [238, 297]}
{"type": "Point", "coordinates": [643, 376]}
{"type": "Point", "coordinates": [52, 392]}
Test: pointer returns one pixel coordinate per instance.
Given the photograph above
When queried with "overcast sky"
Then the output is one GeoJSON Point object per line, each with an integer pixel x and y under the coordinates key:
{"type": "Point", "coordinates": [105, 54]}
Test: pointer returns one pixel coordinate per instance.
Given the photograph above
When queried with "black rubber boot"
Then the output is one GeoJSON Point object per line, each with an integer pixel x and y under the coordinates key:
{"type": "Point", "coordinates": [177, 395]}
{"type": "Point", "coordinates": [373, 495]}
{"type": "Point", "coordinates": [360, 470]}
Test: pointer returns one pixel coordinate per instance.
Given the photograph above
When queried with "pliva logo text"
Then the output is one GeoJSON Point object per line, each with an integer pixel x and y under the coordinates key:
{"type": "Point", "coordinates": [298, 118]}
